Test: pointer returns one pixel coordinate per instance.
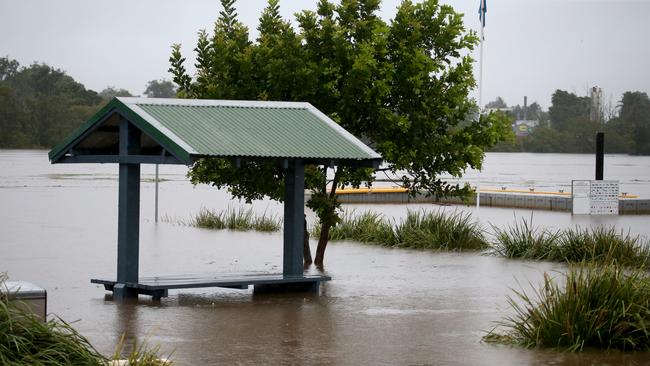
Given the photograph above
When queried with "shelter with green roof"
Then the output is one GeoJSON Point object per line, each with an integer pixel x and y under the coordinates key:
{"type": "Point", "coordinates": [135, 131]}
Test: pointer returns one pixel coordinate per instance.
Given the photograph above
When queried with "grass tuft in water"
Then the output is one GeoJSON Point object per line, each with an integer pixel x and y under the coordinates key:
{"type": "Point", "coordinates": [140, 355]}
{"type": "Point", "coordinates": [367, 227]}
{"type": "Point", "coordinates": [439, 231]}
{"type": "Point", "coordinates": [25, 339]}
{"type": "Point", "coordinates": [594, 244]}
{"type": "Point", "coordinates": [597, 306]}
{"type": "Point", "coordinates": [522, 240]}
{"type": "Point", "coordinates": [603, 244]}
{"type": "Point", "coordinates": [421, 230]}
{"type": "Point", "coordinates": [241, 219]}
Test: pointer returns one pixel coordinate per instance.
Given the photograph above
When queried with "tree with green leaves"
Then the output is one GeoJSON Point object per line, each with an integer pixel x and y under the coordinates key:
{"type": "Point", "coordinates": [400, 86]}
{"type": "Point", "coordinates": [497, 103]}
{"type": "Point", "coordinates": [110, 92]}
{"type": "Point", "coordinates": [567, 107]}
{"type": "Point", "coordinates": [39, 104]}
{"type": "Point", "coordinates": [635, 115]}
{"type": "Point", "coordinates": [160, 89]}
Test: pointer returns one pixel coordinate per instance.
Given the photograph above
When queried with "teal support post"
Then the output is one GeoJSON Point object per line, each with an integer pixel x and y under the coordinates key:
{"type": "Point", "coordinates": [128, 226]}
{"type": "Point", "coordinates": [294, 201]}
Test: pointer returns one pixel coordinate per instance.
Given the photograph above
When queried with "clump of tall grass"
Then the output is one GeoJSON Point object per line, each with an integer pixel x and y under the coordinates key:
{"type": "Point", "coordinates": [597, 244]}
{"type": "Point", "coordinates": [420, 230]}
{"type": "Point", "coordinates": [603, 244]}
{"type": "Point", "coordinates": [600, 306]}
{"type": "Point", "coordinates": [26, 339]}
{"type": "Point", "coordinates": [522, 240]}
{"type": "Point", "coordinates": [140, 355]}
{"type": "Point", "coordinates": [367, 227]}
{"type": "Point", "coordinates": [242, 219]}
{"type": "Point", "coordinates": [439, 231]}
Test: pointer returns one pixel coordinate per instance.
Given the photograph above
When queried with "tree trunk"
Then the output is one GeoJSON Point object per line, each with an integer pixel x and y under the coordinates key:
{"type": "Point", "coordinates": [326, 226]}
{"type": "Point", "coordinates": [322, 244]}
{"type": "Point", "coordinates": [306, 251]}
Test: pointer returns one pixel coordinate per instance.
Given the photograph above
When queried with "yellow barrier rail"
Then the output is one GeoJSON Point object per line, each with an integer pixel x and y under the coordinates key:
{"type": "Point", "coordinates": [404, 190]}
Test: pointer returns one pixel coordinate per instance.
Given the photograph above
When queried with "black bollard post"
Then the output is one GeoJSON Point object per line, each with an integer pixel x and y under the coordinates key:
{"type": "Point", "coordinates": [600, 152]}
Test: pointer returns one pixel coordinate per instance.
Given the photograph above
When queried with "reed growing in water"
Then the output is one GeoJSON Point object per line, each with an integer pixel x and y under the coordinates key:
{"type": "Point", "coordinates": [596, 306]}
{"type": "Point", "coordinates": [593, 244]}
{"type": "Point", "coordinates": [28, 340]}
{"type": "Point", "coordinates": [242, 219]}
{"type": "Point", "coordinates": [419, 230]}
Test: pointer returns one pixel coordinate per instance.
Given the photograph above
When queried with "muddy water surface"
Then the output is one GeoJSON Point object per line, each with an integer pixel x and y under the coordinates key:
{"type": "Point", "coordinates": [383, 307]}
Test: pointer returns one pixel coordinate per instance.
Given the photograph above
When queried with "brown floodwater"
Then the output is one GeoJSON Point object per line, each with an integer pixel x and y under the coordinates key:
{"type": "Point", "coordinates": [383, 306]}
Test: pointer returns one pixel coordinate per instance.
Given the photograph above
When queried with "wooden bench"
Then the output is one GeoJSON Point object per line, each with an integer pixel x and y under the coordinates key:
{"type": "Point", "coordinates": [158, 287]}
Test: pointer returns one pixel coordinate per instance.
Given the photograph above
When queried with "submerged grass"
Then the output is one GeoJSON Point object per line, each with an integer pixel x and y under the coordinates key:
{"type": "Point", "coordinates": [26, 339]}
{"type": "Point", "coordinates": [596, 244]}
{"type": "Point", "coordinates": [420, 230]}
{"type": "Point", "coordinates": [522, 240]}
{"type": "Point", "coordinates": [367, 227]}
{"type": "Point", "coordinates": [242, 219]}
{"type": "Point", "coordinates": [439, 231]}
{"type": "Point", "coordinates": [599, 306]}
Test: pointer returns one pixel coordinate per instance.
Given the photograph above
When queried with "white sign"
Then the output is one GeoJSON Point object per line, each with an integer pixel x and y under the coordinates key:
{"type": "Point", "coordinates": [595, 197]}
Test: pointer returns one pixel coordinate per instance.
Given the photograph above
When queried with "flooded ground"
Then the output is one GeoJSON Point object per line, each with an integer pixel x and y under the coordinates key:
{"type": "Point", "coordinates": [383, 307]}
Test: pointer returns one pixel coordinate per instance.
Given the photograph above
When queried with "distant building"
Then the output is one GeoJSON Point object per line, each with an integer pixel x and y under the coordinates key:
{"type": "Point", "coordinates": [596, 105]}
{"type": "Point", "coordinates": [524, 127]}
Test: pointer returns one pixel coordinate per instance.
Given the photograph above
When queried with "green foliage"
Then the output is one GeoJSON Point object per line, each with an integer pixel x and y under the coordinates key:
{"type": "Point", "coordinates": [604, 245]}
{"type": "Point", "coordinates": [39, 105]}
{"type": "Point", "coordinates": [594, 244]}
{"type": "Point", "coordinates": [571, 131]}
{"type": "Point", "coordinates": [26, 339]}
{"type": "Point", "coordinates": [241, 219]}
{"type": "Point", "coordinates": [420, 230]}
{"type": "Point", "coordinates": [635, 118]}
{"type": "Point", "coordinates": [110, 92]}
{"type": "Point", "coordinates": [402, 87]}
{"type": "Point", "coordinates": [139, 354]}
{"type": "Point", "coordinates": [522, 240]}
{"type": "Point", "coordinates": [439, 231]}
{"type": "Point", "coordinates": [566, 107]}
{"type": "Point", "coordinates": [160, 89]}
{"type": "Point", "coordinates": [367, 227]}
{"type": "Point", "coordinates": [596, 307]}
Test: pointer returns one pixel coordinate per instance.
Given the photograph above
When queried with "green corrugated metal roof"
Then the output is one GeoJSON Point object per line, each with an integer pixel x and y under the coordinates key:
{"type": "Point", "coordinates": [202, 128]}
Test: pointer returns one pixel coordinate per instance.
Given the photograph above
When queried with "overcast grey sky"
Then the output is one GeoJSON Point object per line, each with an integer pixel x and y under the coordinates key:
{"type": "Point", "coordinates": [532, 47]}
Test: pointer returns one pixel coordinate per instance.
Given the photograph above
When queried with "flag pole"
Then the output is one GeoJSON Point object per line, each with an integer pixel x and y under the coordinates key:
{"type": "Point", "coordinates": [482, 10]}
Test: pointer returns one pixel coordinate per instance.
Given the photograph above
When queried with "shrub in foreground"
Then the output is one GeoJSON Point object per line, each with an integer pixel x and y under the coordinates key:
{"type": "Point", "coordinates": [599, 306]}
{"type": "Point", "coordinates": [27, 340]}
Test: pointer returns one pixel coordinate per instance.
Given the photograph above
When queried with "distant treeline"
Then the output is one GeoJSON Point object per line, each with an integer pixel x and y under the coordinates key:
{"type": "Point", "coordinates": [567, 128]}
{"type": "Point", "coordinates": [40, 105]}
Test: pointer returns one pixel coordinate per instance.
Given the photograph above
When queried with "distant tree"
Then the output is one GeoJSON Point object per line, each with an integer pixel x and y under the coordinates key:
{"type": "Point", "coordinates": [567, 107]}
{"type": "Point", "coordinates": [497, 103]}
{"type": "Point", "coordinates": [8, 68]}
{"type": "Point", "coordinates": [635, 115]}
{"type": "Point", "coordinates": [110, 91]}
{"type": "Point", "coordinates": [39, 105]}
{"type": "Point", "coordinates": [160, 89]}
{"type": "Point", "coordinates": [382, 82]}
